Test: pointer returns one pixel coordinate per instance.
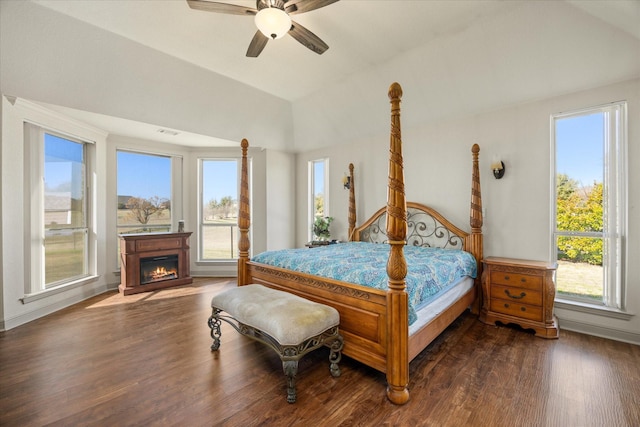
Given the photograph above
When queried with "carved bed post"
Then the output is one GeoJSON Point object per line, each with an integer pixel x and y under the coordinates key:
{"type": "Point", "coordinates": [243, 218]}
{"type": "Point", "coordinates": [397, 299]}
{"type": "Point", "coordinates": [475, 220]}
{"type": "Point", "coordinates": [352, 204]}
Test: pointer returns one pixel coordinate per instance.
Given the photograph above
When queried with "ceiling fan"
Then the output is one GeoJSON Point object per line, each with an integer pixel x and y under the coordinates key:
{"type": "Point", "coordinates": [273, 21]}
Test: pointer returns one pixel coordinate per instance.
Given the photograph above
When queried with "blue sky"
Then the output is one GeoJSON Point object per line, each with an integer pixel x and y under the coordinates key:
{"type": "Point", "coordinates": [579, 145]}
{"type": "Point", "coordinates": [142, 175]}
{"type": "Point", "coordinates": [220, 179]}
{"type": "Point", "coordinates": [318, 177]}
{"type": "Point", "coordinates": [60, 156]}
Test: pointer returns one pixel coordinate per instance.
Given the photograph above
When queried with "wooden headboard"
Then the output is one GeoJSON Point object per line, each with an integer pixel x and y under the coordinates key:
{"type": "Point", "coordinates": [425, 227]}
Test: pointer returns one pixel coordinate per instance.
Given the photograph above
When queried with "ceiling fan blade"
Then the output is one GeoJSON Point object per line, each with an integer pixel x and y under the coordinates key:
{"type": "Point", "coordinates": [293, 7]}
{"type": "Point", "coordinates": [258, 43]}
{"type": "Point", "coordinates": [307, 38]}
{"type": "Point", "coordinates": [214, 6]}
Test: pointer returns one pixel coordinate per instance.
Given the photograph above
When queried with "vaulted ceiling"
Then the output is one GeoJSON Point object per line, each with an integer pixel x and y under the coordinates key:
{"type": "Point", "coordinates": [457, 57]}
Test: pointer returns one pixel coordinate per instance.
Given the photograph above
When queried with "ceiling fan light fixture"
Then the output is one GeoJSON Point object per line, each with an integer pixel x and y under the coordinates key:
{"type": "Point", "coordinates": [273, 22]}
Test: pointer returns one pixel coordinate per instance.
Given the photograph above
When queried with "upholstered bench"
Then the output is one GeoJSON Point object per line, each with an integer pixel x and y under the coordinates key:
{"type": "Point", "coordinates": [289, 324]}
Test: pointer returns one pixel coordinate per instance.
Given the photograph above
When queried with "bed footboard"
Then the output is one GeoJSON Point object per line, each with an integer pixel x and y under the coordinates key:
{"type": "Point", "coordinates": [363, 321]}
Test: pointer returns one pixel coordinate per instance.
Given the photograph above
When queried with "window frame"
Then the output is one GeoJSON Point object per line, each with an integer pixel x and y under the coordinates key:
{"type": "Point", "coordinates": [311, 210]}
{"type": "Point", "coordinates": [35, 233]}
{"type": "Point", "coordinates": [172, 173]}
{"type": "Point", "coordinates": [201, 201]}
{"type": "Point", "coordinates": [615, 203]}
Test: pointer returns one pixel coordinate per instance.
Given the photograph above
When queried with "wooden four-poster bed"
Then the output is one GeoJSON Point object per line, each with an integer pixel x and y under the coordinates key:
{"type": "Point", "coordinates": [375, 322]}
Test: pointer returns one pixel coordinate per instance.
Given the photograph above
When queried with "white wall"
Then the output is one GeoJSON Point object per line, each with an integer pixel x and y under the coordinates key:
{"type": "Point", "coordinates": [534, 51]}
{"type": "Point", "coordinates": [437, 165]}
{"type": "Point", "coordinates": [280, 190]}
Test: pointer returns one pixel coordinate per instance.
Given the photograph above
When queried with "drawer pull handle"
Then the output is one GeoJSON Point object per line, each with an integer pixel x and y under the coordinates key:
{"type": "Point", "coordinates": [523, 280]}
{"type": "Point", "coordinates": [523, 308]}
{"type": "Point", "coordinates": [522, 294]}
{"type": "Point", "coordinates": [506, 278]}
{"type": "Point", "coordinates": [506, 305]}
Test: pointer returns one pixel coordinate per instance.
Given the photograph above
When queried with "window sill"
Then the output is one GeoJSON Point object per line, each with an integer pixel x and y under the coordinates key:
{"type": "Point", "coordinates": [593, 309]}
{"type": "Point", "coordinates": [57, 290]}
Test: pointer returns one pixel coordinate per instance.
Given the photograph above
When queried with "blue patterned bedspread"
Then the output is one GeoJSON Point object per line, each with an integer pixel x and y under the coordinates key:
{"type": "Point", "coordinates": [429, 270]}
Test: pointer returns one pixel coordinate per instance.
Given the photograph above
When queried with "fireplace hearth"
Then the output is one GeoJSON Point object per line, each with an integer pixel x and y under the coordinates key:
{"type": "Point", "coordinates": [153, 261]}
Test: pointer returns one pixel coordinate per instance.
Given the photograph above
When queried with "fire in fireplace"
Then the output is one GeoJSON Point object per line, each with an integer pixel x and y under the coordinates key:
{"type": "Point", "coordinates": [159, 268]}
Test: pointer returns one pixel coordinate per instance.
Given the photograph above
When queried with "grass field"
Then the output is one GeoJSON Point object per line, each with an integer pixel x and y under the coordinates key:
{"type": "Point", "coordinates": [580, 279]}
{"type": "Point", "coordinates": [157, 223]}
{"type": "Point", "coordinates": [64, 257]}
{"type": "Point", "coordinates": [220, 240]}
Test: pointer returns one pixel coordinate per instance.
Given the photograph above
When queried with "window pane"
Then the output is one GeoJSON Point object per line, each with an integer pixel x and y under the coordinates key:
{"type": "Point", "coordinates": [65, 255]}
{"type": "Point", "coordinates": [580, 147]}
{"type": "Point", "coordinates": [219, 226]}
{"type": "Point", "coordinates": [64, 183]}
{"type": "Point", "coordinates": [65, 242]}
{"type": "Point", "coordinates": [580, 272]}
{"type": "Point", "coordinates": [318, 188]}
{"type": "Point", "coordinates": [144, 193]}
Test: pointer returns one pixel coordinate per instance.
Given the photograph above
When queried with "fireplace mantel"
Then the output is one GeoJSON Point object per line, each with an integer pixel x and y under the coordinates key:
{"type": "Point", "coordinates": [134, 247]}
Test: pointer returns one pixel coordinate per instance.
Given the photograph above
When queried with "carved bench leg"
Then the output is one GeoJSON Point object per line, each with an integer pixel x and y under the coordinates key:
{"type": "Point", "coordinates": [290, 368]}
{"type": "Point", "coordinates": [336, 355]}
{"type": "Point", "coordinates": [289, 354]}
{"type": "Point", "coordinates": [214, 325]}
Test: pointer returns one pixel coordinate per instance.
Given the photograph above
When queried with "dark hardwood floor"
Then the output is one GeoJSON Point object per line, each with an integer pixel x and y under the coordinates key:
{"type": "Point", "coordinates": [144, 360]}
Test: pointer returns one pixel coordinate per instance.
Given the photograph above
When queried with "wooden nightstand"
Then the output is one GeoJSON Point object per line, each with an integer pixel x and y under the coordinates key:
{"type": "Point", "coordinates": [521, 292]}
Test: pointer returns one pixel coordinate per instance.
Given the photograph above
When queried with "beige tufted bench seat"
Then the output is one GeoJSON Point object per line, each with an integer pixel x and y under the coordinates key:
{"type": "Point", "coordinates": [289, 324]}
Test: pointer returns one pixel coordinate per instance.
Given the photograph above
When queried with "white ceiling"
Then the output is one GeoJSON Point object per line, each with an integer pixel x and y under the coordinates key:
{"type": "Point", "coordinates": [362, 35]}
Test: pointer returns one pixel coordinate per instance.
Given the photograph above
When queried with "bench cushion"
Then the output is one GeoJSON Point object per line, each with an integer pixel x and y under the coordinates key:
{"type": "Point", "coordinates": [288, 318]}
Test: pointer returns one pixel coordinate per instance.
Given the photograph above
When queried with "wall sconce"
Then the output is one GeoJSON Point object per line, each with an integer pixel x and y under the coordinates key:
{"type": "Point", "coordinates": [346, 182]}
{"type": "Point", "coordinates": [497, 166]}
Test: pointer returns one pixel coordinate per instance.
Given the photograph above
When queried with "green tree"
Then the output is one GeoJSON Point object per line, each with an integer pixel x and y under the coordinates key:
{"type": "Point", "coordinates": [319, 204]}
{"type": "Point", "coordinates": [579, 211]}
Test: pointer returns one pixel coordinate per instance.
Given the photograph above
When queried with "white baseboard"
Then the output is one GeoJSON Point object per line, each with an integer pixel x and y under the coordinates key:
{"type": "Point", "coordinates": [599, 331]}
{"type": "Point", "coordinates": [30, 316]}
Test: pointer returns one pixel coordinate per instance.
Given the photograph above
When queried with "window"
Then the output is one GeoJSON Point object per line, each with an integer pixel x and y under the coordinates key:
{"type": "Point", "coordinates": [144, 193]}
{"type": "Point", "coordinates": [56, 168]}
{"type": "Point", "coordinates": [219, 209]}
{"type": "Point", "coordinates": [589, 204]}
{"type": "Point", "coordinates": [65, 210]}
{"type": "Point", "coordinates": [318, 192]}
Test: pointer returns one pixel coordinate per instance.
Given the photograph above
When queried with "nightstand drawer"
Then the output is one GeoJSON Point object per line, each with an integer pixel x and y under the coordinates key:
{"type": "Point", "coordinates": [516, 309]}
{"type": "Point", "coordinates": [515, 279]}
{"type": "Point", "coordinates": [517, 295]}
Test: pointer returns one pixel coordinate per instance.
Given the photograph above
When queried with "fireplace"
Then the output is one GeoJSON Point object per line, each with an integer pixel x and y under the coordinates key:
{"type": "Point", "coordinates": [153, 261]}
{"type": "Point", "coordinates": [158, 268]}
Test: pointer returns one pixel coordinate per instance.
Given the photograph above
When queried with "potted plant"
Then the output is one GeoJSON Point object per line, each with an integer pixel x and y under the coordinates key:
{"type": "Point", "coordinates": [321, 228]}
